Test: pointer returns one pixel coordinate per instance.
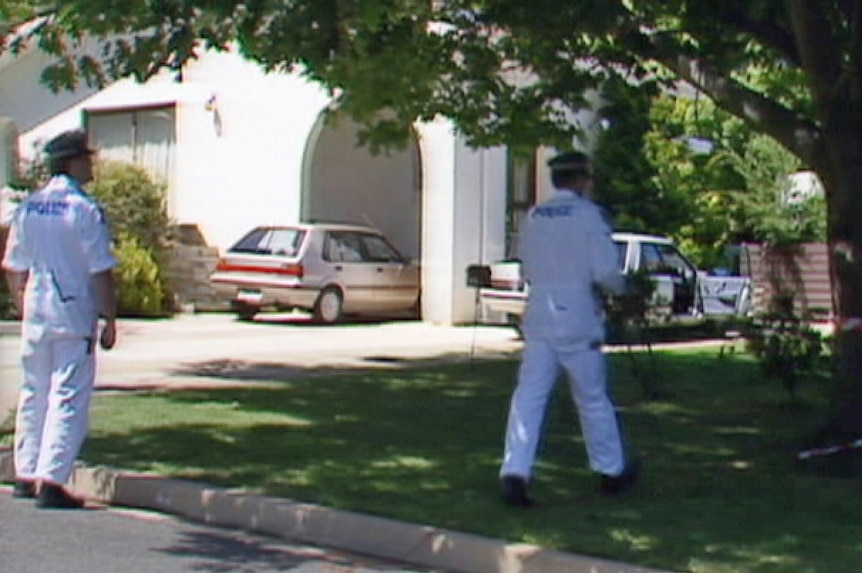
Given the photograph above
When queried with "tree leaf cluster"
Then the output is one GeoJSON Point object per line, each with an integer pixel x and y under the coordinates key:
{"type": "Point", "coordinates": [677, 165]}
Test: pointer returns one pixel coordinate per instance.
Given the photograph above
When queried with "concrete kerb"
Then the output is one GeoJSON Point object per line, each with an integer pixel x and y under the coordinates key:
{"type": "Point", "coordinates": [419, 545]}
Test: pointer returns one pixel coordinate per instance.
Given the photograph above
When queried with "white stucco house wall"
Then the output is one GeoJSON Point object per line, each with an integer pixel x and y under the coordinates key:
{"type": "Point", "coordinates": [238, 147]}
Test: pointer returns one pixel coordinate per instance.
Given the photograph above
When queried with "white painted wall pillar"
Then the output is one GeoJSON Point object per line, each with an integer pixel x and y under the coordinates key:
{"type": "Point", "coordinates": [463, 219]}
{"type": "Point", "coordinates": [479, 221]}
{"type": "Point", "coordinates": [437, 153]}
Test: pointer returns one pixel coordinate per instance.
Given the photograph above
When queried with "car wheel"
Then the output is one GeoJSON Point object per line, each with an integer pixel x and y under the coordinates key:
{"type": "Point", "coordinates": [245, 312]}
{"type": "Point", "coordinates": [327, 309]}
{"type": "Point", "coordinates": [514, 321]}
{"type": "Point", "coordinates": [416, 309]}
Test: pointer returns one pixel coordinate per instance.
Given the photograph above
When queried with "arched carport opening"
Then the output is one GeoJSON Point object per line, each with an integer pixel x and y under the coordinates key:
{"type": "Point", "coordinates": [345, 182]}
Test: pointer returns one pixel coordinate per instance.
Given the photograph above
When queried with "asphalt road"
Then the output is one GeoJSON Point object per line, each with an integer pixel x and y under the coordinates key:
{"type": "Point", "coordinates": [103, 540]}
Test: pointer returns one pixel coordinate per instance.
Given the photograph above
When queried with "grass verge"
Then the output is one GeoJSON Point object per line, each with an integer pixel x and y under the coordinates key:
{"type": "Point", "coordinates": [721, 491]}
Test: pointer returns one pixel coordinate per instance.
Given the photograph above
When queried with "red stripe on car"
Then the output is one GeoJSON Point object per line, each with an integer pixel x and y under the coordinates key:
{"type": "Point", "coordinates": [292, 270]}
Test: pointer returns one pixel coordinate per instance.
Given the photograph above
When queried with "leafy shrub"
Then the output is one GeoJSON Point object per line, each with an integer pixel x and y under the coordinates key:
{"type": "Point", "coordinates": [629, 317]}
{"type": "Point", "coordinates": [134, 204]}
{"type": "Point", "coordinates": [784, 343]}
{"type": "Point", "coordinates": [7, 307]}
{"type": "Point", "coordinates": [136, 209]}
{"type": "Point", "coordinates": [138, 278]}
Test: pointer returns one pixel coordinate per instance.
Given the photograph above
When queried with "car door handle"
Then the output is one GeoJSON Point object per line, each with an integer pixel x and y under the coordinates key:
{"type": "Point", "coordinates": [379, 269]}
{"type": "Point", "coordinates": [338, 268]}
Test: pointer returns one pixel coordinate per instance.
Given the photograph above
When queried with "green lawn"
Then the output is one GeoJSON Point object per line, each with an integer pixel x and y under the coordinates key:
{"type": "Point", "coordinates": [721, 490]}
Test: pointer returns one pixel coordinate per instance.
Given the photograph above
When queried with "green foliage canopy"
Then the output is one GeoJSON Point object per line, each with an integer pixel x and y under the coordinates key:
{"type": "Point", "coordinates": [506, 71]}
{"type": "Point", "coordinates": [420, 59]}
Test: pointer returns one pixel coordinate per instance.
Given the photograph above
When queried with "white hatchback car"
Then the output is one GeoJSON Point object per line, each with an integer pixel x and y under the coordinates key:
{"type": "Point", "coordinates": [331, 270]}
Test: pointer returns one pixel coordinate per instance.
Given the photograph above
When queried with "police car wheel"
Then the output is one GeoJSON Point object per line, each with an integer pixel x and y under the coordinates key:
{"type": "Point", "coordinates": [328, 307]}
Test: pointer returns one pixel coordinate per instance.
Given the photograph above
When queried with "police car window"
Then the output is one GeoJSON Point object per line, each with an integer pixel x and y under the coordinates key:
{"type": "Point", "coordinates": [673, 260]}
{"type": "Point", "coordinates": [650, 258]}
{"type": "Point", "coordinates": [379, 251]}
{"type": "Point", "coordinates": [251, 243]}
{"type": "Point", "coordinates": [285, 242]}
{"type": "Point", "coordinates": [622, 252]}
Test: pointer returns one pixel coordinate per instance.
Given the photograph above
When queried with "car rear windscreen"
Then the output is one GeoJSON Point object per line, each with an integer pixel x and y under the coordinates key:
{"type": "Point", "coordinates": [268, 241]}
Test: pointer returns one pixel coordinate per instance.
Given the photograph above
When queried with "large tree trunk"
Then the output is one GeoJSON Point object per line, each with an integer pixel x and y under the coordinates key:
{"type": "Point", "coordinates": [844, 194]}
{"type": "Point", "coordinates": [835, 78]}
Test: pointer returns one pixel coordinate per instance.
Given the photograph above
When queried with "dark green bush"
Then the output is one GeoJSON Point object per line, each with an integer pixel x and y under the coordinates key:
{"type": "Point", "coordinates": [785, 344]}
{"type": "Point", "coordinates": [138, 278]}
{"type": "Point", "coordinates": [134, 204]}
{"type": "Point", "coordinates": [7, 307]}
{"type": "Point", "coordinates": [136, 210]}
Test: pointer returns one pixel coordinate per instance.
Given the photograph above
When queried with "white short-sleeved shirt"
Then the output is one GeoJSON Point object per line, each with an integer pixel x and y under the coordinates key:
{"type": "Point", "coordinates": [567, 252]}
{"type": "Point", "coordinates": [60, 236]}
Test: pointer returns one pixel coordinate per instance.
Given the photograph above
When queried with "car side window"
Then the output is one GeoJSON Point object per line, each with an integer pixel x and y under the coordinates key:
{"type": "Point", "coordinates": [285, 242]}
{"type": "Point", "coordinates": [379, 251]}
{"type": "Point", "coordinates": [622, 252]}
{"type": "Point", "coordinates": [674, 261]}
{"type": "Point", "coordinates": [343, 248]}
{"type": "Point", "coordinates": [650, 258]}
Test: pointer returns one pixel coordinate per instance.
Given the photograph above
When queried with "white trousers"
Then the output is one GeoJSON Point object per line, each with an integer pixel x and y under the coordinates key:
{"type": "Point", "coordinates": [585, 368]}
{"type": "Point", "coordinates": [53, 407]}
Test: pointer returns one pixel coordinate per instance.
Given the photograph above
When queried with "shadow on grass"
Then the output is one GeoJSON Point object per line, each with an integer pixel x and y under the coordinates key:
{"type": "Point", "coordinates": [720, 492]}
{"type": "Point", "coordinates": [282, 372]}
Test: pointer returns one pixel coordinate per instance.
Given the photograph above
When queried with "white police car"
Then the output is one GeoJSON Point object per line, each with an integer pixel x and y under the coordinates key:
{"type": "Point", "coordinates": [681, 289]}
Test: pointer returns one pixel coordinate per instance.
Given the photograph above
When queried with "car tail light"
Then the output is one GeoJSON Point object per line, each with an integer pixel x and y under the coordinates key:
{"type": "Point", "coordinates": [292, 269]}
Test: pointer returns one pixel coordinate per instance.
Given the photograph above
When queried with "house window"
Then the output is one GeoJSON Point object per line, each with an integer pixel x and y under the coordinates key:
{"type": "Point", "coordinates": [520, 193]}
{"type": "Point", "coordinates": [145, 137]}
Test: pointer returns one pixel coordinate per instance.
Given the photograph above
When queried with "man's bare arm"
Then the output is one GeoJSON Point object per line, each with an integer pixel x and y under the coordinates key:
{"type": "Point", "coordinates": [106, 304]}
{"type": "Point", "coordinates": [17, 282]}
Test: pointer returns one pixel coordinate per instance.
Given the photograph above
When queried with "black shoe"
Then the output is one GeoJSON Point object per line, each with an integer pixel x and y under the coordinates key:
{"type": "Point", "coordinates": [615, 485]}
{"type": "Point", "coordinates": [515, 491]}
{"type": "Point", "coordinates": [24, 489]}
{"type": "Point", "coordinates": [55, 497]}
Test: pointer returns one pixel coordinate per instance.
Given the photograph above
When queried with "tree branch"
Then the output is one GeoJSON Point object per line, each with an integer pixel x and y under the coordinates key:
{"type": "Point", "coordinates": [766, 33]}
{"type": "Point", "coordinates": [798, 134]}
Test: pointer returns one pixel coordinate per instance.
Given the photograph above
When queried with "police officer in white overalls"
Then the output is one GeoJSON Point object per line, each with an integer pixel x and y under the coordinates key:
{"type": "Point", "coordinates": [58, 265]}
{"type": "Point", "coordinates": [567, 253]}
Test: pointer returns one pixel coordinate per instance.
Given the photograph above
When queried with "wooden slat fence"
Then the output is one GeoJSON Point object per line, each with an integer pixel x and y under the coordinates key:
{"type": "Point", "coordinates": [801, 270]}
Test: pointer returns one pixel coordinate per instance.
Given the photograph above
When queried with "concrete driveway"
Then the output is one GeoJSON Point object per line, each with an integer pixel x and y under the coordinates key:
{"type": "Point", "coordinates": [215, 349]}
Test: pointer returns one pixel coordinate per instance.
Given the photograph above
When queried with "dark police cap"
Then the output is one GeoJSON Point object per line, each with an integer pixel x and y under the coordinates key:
{"type": "Point", "coordinates": [570, 161]}
{"type": "Point", "coordinates": [68, 144]}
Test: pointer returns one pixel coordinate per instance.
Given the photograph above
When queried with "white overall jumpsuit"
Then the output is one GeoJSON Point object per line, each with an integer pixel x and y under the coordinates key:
{"type": "Point", "coordinates": [567, 252]}
{"type": "Point", "coordinates": [58, 235]}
